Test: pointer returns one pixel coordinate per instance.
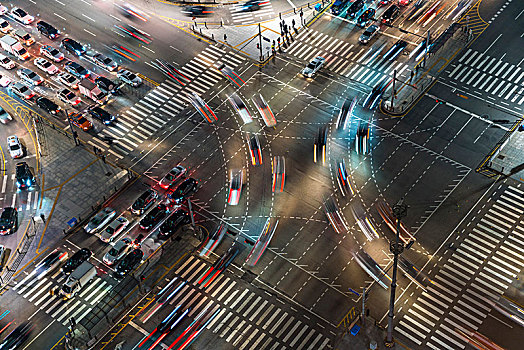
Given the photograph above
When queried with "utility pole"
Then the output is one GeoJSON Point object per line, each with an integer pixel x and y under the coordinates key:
{"type": "Point", "coordinates": [260, 41]}
{"type": "Point", "coordinates": [399, 211]}
{"type": "Point", "coordinates": [393, 88]}
{"type": "Point", "coordinates": [73, 131]}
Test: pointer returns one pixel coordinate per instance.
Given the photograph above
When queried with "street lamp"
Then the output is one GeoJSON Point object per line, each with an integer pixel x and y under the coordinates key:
{"type": "Point", "coordinates": [399, 211]}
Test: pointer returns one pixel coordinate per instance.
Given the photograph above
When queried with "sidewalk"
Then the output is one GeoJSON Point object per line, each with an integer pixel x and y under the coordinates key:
{"type": "Point", "coordinates": [369, 336]}
{"type": "Point", "coordinates": [246, 40]}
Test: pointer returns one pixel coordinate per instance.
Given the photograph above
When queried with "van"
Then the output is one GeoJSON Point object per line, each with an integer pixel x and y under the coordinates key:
{"type": "Point", "coordinates": [6, 62]}
{"type": "Point", "coordinates": [24, 37]}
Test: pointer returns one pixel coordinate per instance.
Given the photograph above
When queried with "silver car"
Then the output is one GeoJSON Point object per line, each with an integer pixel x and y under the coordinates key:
{"type": "Point", "coordinates": [172, 176]}
{"type": "Point", "coordinates": [101, 219]}
{"type": "Point", "coordinates": [313, 67]}
{"type": "Point", "coordinates": [29, 76]}
{"type": "Point", "coordinates": [114, 229]}
{"type": "Point", "coordinates": [22, 90]}
{"type": "Point", "coordinates": [129, 78]}
{"type": "Point", "coordinates": [51, 53]}
{"type": "Point", "coordinates": [104, 62]}
{"type": "Point", "coordinates": [118, 251]}
{"type": "Point", "coordinates": [68, 80]}
{"type": "Point", "coordinates": [368, 34]}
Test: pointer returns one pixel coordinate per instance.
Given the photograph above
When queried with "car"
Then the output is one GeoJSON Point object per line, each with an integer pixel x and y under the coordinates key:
{"type": "Point", "coordinates": [264, 110]}
{"type": "Point", "coordinates": [68, 80]}
{"type": "Point", "coordinates": [73, 46]}
{"type": "Point", "coordinates": [197, 11]}
{"type": "Point", "coordinates": [374, 96]}
{"type": "Point", "coordinates": [103, 61]}
{"type": "Point", "coordinates": [21, 16]}
{"type": "Point", "coordinates": [24, 176]}
{"type": "Point", "coordinates": [106, 85]}
{"type": "Point", "coordinates": [4, 116]}
{"type": "Point", "coordinates": [354, 8]}
{"type": "Point", "coordinates": [236, 181]}
{"type": "Point", "coordinates": [5, 27]}
{"type": "Point", "coordinates": [15, 148]}
{"type": "Point", "coordinates": [368, 34]}
{"type": "Point", "coordinates": [115, 228]}
{"type": "Point", "coordinates": [8, 221]}
{"type": "Point", "coordinates": [47, 30]}
{"type": "Point", "coordinates": [366, 17]}
{"type": "Point", "coordinates": [172, 176]}
{"type": "Point", "coordinates": [51, 53]}
{"type": "Point", "coordinates": [100, 220]}
{"type": "Point", "coordinates": [319, 148]}
{"type": "Point", "coordinates": [382, 3]}
{"type": "Point", "coordinates": [76, 260]}
{"type": "Point", "coordinates": [6, 62]}
{"type": "Point", "coordinates": [250, 5]}
{"type": "Point", "coordinates": [24, 37]}
{"type": "Point", "coordinates": [313, 67]}
{"type": "Point", "coordinates": [230, 74]}
{"type": "Point", "coordinates": [5, 80]}
{"type": "Point", "coordinates": [129, 262]}
{"type": "Point", "coordinates": [48, 105]}
{"type": "Point", "coordinates": [390, 14]}
{"type": "Point", "coordinates": [22, 90]}
{"type": "Point", "coordinates": [343, 180]}
{"type": "Point", "coordinates": [240, 107]}
{"type": "Point", "coordinates": [334, 216]}
{"type": "Point", "coordinates": [117, 251]}
{"type": "Point", "coordinates": [202, 107]}
{"type": "Point", "coordinates": [278, 169]}
{"type": "Point", "coordinates": [50, 262]}
{"type": "Point", "coordinates": [395, 50]}
{"type": "Point", "coordinates": [3, 10]}
{"type": "Point", "coordinates": [362, 138]}
{"type": "Point", "coordinates": [129, 78]}
{"type": "Point", "coordinates": [255, 150]}
{"type": "Point", "coordinates": [404, 2]}
{"type": "Point", "coordinates": [101, 114]}
{"type": "Point", "coordinates": [17, 337]}
{"type": "Point", "coordinates": [143, 202]}
{"type": "Point", "coordinates": [67, 96]}
{"type": "Point", "coordinates": [29, 76]}
{"type": "Point", "coordinates": [186, 188]}
{"type": "Point", "coordinates": [80, 121]}
{"type": "Point", "coordinates": [76, 69]}
{"type": "Point", "coordinates": [175, 221]}
{"type": "Point", "coordinates": [45, 65]}
{"type": "Point", "coordinates": [153, 217]}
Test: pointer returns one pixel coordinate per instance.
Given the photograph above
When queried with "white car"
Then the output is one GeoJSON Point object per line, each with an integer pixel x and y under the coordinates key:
{"type": "Point", "coordinates": [15, 148]}
{"type": "Point", "coordinates": [68, 80]}
{"type": "Point", "coordinates": [67, 96]}
{"type": "Point", "coordinates": [46, 66]}
{"type": "Point", "coordinates": [3, 10]}
{"type": "Point", "coordinates": [29, 76]}
{"type": "Point", "coordinates": [4, 80]}
{"type": "Point", "coordinates": [236, 180]}
{"type": "Point", "coordinates": [104, 62]}
{"type": "Point", "coordinates": [313, 67]}
{"type": "Point", "coordinates": [241, 108]}
{"type": "Point", "coordinates": [172, 176]}
{"type": "Point", "coordinates": [5, 27]}
{"type": "Point", "coordinates": [51, 53]}
{"type": "Point", "coordinates": [129, 78]}
{"type": "Point", "coordinates": [21, 16]}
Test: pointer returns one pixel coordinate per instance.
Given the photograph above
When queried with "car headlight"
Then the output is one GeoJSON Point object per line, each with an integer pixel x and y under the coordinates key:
{"type": "Point", "coordinates": [18, 184]}
{"type": "Point", "coordinates": [28, 182]}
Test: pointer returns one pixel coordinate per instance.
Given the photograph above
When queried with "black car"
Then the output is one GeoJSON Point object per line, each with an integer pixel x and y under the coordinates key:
{"type": "Point", "coordinates": [102, 115]}
{"type": "Point", "coordinates": [251, 5]}
{"type": "Point", "coordinates": [143, 202]}
{"type": "Point", "coordinates": [47, 30]}
{"type": "Point", "coordinates": [48, 105]}
{"type": "Point", "coordinates": [354, 8]}
{"type": "Point", "coordinates": [366, 17]}
{"type": "Point", "coordinates": [24, 177]}
{"type": "Point", "coordinates": [153, 217]}
{"type": "Point", "coordinates": [184, 190]}
{"type": "Point", "coordinates": [8, 221]}
{"type": "Point", "coordinates": [178, 219]}
{"type": "Point", "coordinates": [76, 260]}
{"type": "Point", "coordinates": [390, 14]}
{"type": "Point", "coordinates": [73, 46]}
{"type": "Point", "coordinates": [129, 262]}
{"type": "Point", "coordinates": [319, 148]}
{"type": "Point", "coordinates": [76, 69]}
{"type": "Point", "coordinates": [106, 85]}
{"type": "Point", "coordinates": [197, 11]}
{"type": "Point", "coordinates": [17, 337]}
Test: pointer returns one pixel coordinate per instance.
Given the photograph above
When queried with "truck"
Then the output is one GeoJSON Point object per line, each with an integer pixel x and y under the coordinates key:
{"type": "Point", "coordinates": [81, 276]}
{"type": "Point", "coordinates": [91, 90]}
{"type": "Point", "coordinates": [14, 47]}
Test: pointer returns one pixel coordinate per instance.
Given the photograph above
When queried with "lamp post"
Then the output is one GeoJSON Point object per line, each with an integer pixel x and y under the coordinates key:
{"type": "Point", "coordinates": [399, 211]}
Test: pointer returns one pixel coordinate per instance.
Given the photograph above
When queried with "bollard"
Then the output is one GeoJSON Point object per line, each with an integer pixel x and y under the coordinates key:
{"type": "Point", "coordinates": [212, 36]}
{"type": "Point", "coordinates": [205, 24]}
{"type": "Point", "coordinates": [308, 6]}
{"type": "Point", "coordinates": [200, 30]}
{"type": "Point", "coordinates": [280, 15]}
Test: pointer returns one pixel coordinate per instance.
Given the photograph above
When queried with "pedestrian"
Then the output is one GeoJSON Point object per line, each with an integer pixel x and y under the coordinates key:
{"type": "Point", "coordinates": [95, 149]}
{"type": "Point", "coordinates": [293, 23]}
{"type": "Point", "coordinates": [42, 216]}
{"type": "Point", "coordinates": [103, 158]}
{"type": "Point", "coordinates": [225, 37]}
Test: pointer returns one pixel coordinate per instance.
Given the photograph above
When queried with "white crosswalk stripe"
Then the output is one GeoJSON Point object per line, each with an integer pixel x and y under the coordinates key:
{"type": "Point", "coordinates": [247, 319]}
{"type": "Point", "coordinates": [481, 268]}
{"type": "Point", "coordinates": [495, 76]}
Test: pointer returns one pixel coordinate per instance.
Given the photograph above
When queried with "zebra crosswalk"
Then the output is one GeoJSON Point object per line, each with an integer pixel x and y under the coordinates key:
{"type": "Point", "coordinates": [240, 16]}
{"type": "Point", "coordinates": [478, 272]}
{"type": "Point", "coordinates": [158, 107]}
{"type": "Point", "coordinates": [490, 75]}
{"type": "Point", "coordinates": [247, 319]}
{"type": "Point", "coordinates": [365, 66]}
{"type": "Point", "coordinates": [37, 292]}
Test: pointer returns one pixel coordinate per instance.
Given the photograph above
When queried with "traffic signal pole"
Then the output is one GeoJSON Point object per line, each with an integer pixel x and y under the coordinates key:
{"type": "Point", "coordinates": [260, 41]}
